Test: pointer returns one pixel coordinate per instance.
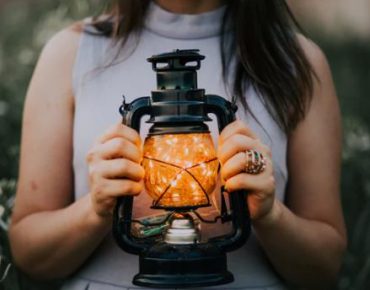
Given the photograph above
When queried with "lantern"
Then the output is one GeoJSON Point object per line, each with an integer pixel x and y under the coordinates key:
{"type": "Point", "coordinates": [181, 171]}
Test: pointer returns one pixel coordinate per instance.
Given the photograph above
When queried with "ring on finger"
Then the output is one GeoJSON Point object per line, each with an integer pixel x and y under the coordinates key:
{"type": "Point", "coordinates": [255, 162]}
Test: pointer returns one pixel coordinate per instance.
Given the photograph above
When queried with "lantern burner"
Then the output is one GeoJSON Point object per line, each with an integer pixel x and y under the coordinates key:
{"type": "Point", "coordinates": [183, 230]}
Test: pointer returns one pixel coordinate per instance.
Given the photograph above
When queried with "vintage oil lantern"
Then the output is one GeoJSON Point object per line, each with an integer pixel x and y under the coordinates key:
{"type": "Point", "coordinates": [181, 171]}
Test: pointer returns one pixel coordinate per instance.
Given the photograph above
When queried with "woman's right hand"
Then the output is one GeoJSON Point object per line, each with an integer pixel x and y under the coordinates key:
{"type": "Point", "coordinates": [114, 168]}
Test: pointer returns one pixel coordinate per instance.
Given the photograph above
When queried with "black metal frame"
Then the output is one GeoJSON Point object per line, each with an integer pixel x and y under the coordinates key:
{"type": "Point", "coordinates": [180, 110]}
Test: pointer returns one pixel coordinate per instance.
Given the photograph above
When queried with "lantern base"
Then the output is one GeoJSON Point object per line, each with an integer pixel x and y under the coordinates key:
{"type": "Point", "coordinates": [182, 266]}
{"type": "Point", "coordinates": [181, 281]}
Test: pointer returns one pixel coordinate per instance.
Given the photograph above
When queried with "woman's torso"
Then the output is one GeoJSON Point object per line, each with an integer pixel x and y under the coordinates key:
{"type": "Point", "coordinates": [98, 94]}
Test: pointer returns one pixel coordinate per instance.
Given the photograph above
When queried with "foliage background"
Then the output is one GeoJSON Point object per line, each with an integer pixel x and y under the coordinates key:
{"type": "Point", "coordinates": [25, 26]}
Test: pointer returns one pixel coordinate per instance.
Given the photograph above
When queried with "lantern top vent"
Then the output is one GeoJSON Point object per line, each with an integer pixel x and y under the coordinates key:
{"type": "Point", "coordinates": [177, 70]}
{"type": "Point", "coordinates": [177, 60]}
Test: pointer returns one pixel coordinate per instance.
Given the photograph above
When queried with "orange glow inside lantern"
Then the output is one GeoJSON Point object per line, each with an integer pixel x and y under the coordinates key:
{"type": "Point", "coordinates": [181, 173]}
{"type": "Point", "coordinates": [180, 169]}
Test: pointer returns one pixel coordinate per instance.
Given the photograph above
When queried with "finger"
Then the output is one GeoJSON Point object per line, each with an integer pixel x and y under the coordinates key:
{"type": "Point", "coordinates": [120, 130]}
{"type": "Point", "coordinates": [244, 181]}
{"type": "Point", "coordinates": [115, 188]}
{"type": "Point", "coordinates": [121, 168]}
{"type": "Point", "coordinates": [235, 144]}
{"type": "Point", "coordinates": [120, 148]}
{"type": "Point", "coordinates": [237, 127]}
{"type": "Point", "coordinates": [235, 165]}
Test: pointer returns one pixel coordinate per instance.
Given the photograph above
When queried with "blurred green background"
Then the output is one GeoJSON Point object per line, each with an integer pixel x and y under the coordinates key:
{"type": "Point", "coordinates": [343, 34]}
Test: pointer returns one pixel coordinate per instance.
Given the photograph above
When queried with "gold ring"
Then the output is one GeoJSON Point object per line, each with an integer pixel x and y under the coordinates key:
{"type": "Point", "coordinates": [255, 163]}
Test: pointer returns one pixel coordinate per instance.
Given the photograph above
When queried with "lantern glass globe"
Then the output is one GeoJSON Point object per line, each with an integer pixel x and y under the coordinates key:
{"type": "Point", "coordinates": [181, 170]}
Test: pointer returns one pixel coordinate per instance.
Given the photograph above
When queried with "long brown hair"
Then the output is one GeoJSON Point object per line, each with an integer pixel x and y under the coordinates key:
{"type": "Point", "coordinates": [264, 41]}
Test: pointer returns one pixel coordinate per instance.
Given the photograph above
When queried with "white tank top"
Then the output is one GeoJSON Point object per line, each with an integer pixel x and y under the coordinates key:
{"type": "Point", "coordinates": [98, 88]}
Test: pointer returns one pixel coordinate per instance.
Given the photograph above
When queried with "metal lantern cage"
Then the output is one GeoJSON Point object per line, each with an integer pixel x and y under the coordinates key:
{"type": "Point", "coordinates": [181, 170]}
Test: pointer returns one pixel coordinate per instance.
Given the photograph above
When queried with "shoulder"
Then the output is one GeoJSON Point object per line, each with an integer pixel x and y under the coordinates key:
{"type": "Point", "coordinates": [54, 69]}
{"type": "Point", "coordinates": [324, 101]}
{"type": "Point", "coordinates": [62, 47]}
{"type": "Point", "coordinates": [315, 56]}
{"type": "Point", "coordinates": [55, 64]}
{"type": "Point", "coordinates": [311, 49]}
{"type": "Point", "coordinates": [71, 34]}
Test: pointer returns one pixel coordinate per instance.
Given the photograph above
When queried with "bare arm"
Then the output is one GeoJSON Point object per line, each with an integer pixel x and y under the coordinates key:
{"type": "Point", "coordinates": [304, 239]}
{"type": "Point", "coordinates": [51, 235]}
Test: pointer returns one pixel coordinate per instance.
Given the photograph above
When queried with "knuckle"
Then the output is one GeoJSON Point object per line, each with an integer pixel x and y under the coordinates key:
{"type": "Point", "coordinates": [254, 143]}
{"type": "Point", "coordinates": [241, 158]}
{"type": "Point", "coordinates": [117, 127]}
{"type": "Point", "coordinates": [90, 156]}
{"type": "Point", "coordinates": [112, 131]}
{"type": "Point", "coordinates": [93, 198]}
{"type": "Point", "coordinates": [98, 190]}
{"type": "Point", "coordinates": [238, 182]}
{"type": "Point", "coordinates": [132, 135]}
{"type": "Point", "coordinates": [119, 144]}
{"type": "Point", "coordinates": [220, 153]}
{"type": "Point", "coordinates": [123, 166]}
{"type": "Point", "coordinates": [130, 188]}
{"type": "Point", "coordinates": [135, 135]}
{"type": "Point", "coordinates": [92, 171]}
{"type": "Point", "coordinates": [238, 141]}
{"type": "Point", "coordinates": [239, 124]}
{"type": "Point", "coordinates": [95, 171]}
{"type": "Point", "coordinates": [234, 184]}
{"type": "Point", "coordinates": [244, 142]}
{"type": "Point", "coordinates": [224, 174]}
{"type": "Point", "coordinates": [242, 182]}
{"type": "Point", "coordinates": [136, 155]}
{"type": "Point", "coordinates": [137, 187]}
{"type": "Point", "coordinates": [141, 172]}
{"type": "Point", "coordinates": [108, 203]}
{"type": "Point", "coordinates": [98, 199]}
{"type": "Point", "coordinates": [271, 182]}
{"type": "Point", "coordinates": [104, 207]}
{"type": "Point", "coordinates": [126, 188]}
{"type": "Point", "coordinates": [267, 150]}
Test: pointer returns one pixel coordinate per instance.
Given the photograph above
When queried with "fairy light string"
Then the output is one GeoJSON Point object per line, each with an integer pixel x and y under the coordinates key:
{"type": "Point", "coordinates": [181, 170]}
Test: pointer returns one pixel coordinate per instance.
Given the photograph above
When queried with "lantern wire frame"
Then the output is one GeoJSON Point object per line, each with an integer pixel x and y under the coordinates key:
{"type": "Point", "coordinates": [192, 154]}
{"type": "Point", "coordinates": [156, 203]}
{"type": "Point", "coordinates": [181, 170]}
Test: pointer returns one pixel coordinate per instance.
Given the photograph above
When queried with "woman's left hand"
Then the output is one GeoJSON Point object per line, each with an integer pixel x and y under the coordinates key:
{"type": "Point", "coordinates": [234, 141]}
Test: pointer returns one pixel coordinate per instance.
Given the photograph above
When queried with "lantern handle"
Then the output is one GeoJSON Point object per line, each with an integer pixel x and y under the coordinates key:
{"type": "Point", "coordinates": [225, 113]}
{"type": "Point", "coordinates": [122, 215]}
{"type": "Point", "coordinates": [222, 108]}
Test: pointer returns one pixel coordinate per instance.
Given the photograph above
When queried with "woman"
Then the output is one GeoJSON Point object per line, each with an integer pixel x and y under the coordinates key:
{"type": "Point", "coordinates": [288, 111]}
